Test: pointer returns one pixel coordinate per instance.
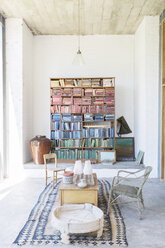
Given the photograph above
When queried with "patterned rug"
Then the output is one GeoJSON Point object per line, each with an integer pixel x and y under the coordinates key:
{"type": "Point", "coordinates": [38, 229]}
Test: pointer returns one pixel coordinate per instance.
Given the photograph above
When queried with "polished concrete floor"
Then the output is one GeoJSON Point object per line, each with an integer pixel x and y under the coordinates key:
{"type": "Point", "coordinates": [17, 200]}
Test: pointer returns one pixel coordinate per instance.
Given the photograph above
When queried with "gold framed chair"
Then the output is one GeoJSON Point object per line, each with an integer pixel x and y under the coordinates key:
{"type": "Point", "coordinates": [55, 170]}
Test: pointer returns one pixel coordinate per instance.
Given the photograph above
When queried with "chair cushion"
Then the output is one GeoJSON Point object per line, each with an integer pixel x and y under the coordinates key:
{"type": "Point", "coordinates": [123, 189]}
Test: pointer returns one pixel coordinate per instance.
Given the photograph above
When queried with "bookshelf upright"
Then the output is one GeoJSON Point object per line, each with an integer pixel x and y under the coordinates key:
{"type": "Point", "coordinates": [82, 117]}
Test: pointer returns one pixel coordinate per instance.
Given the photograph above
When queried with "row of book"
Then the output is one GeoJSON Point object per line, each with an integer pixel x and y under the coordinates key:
{"type": "Point", "coordinates": [76, 154]}
{"type": "Point", "coordinates": [57, 100]}
{"type": "Point", "coordinates": [82, 82]}
{"type": "Point", "coordinates": [87, 143]}
{"type": "Point", "coordinates": [98, 142]}
{"type": "Point", "coordinates": [69, 154]}
{"type": "Point", "coordinates": [66, 117]}
{"type": "Point", "coordinates": [104, 132]}
{"type": "Point", "coordinates": [82, 109]}
{"type": "Point", "coordinates": [77, 118]}
{"type": "Point", "coordinates": [66, 126]}
{"type": "Point", "coordinates": [71, 143]}
{"type": "Point", "coordinates": [82, 92]}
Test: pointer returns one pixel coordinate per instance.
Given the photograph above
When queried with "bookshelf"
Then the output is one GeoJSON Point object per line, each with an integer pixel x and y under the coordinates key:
{"type": "Point", "coordinates": [82, 120]}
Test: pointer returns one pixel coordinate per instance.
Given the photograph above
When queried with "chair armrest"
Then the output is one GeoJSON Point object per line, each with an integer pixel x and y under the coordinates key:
{"type": "Point", "coordinates": [128, 172]}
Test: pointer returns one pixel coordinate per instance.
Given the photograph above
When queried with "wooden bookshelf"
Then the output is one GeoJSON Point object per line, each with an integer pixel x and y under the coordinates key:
{"type": "Point", "coordinates": [85, 107]}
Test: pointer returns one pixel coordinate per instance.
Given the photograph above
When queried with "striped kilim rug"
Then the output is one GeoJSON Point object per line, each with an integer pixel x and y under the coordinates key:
{"type": "Point", "coordinates": [38, 229]}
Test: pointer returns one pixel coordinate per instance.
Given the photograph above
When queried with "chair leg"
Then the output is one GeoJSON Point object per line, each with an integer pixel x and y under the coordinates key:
{"type": "Point", "coordinates": [56, 177]}
{"type": "Point", "coordinates": [139, 208]}
{"type": "Point", "coordinates": [109, 201]}
{"type": "Point", "coordinates": [53, 178]}
{"type": "Point", "coordinates": [142, 200]}
{"type": "Point", "coordinates": [46, 177]}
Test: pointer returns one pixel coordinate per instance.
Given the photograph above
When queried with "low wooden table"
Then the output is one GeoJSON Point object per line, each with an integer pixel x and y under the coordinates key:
{"type": "Point", "coordinates": [70, 193]}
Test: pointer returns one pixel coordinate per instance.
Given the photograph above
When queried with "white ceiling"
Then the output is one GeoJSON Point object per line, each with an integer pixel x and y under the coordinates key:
{"type": "Point", "coordinates": [97, 16]}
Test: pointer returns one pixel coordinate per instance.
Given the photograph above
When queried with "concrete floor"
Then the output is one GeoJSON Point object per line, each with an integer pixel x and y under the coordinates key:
{"type": "Point", "coordinates": [17, 200]}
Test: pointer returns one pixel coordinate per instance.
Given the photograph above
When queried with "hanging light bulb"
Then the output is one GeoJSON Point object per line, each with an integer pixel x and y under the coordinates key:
{"type": "Point", "coordinates": [78, 60]}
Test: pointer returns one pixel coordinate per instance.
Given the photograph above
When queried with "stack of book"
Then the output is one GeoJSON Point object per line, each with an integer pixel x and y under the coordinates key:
{"type": "Point", "coordinates": [76, 134]}
{"type": "Point", "coordinates": [88, 117]}
{"type": "Point", "coordinates": [65, 109]}
{"type": "Point", "coordinates": [85, 109]}
{"type": "Point", "coordinates": [67, 100]}
{"type": "Point", "coordinates": [98, 132]}
{"type": "Point", "coordinates": [108, 82]}
{"type": "Point", "coordinates": [69, 83]}
{"type": "Point", "coordinates": [66, 134]}
{"type": "Point", "coordinates": [86, 100]}
{"type": "Point", "coordinates": [66, 117]}
{"type": "Point", "coordinates": [55, 125]}
{"type": "Point", "coordinates": [76, 117]}
{"type": "Point", "coordinates": [76, 125]}
{"type": "Point", "coordinates": [66, 126]}
{"type": "Point", "coordinates": [55, 92]}
{"type": "Point", "coordinates": [71, 143]}
{"type": "Point", "coordinates": [109, 100]}
{"type": "Point", "coordinates": [109, 92]}
{"type": "Point", "coordinates": [97, 143]}
{"type": "Point", "coordinates": [69, 154]}
{"type": "Point", "coordinates": [62, 84]}
{"type": "Point", "coordinates": [77, 91]}
{"type": "Point", "coordinates": [55, 109]}
{"type": "Point", "coordinates": [99, 100]}
{"type": "Point", "coordinates": [88, 92]}
{"type": "Point", "coordinates": [55, 134]}
{"type": "Point", "coordinates": [55, 143]}
{"type": "Point", "coordinates": [99, 109]}
{"type": "Point", "coordinates": [76, 109]}
{"type": "Point", "coordinates": [99, 92]}
{"type": "Point", "coordinates": [56, 100]}
{"type": "Point", "coordinates": [54, 83]}
{"type": "Point", "coordinates": [56, 117]}
{"type": "Point", "coordinates": [99, 117]}
{"type": "Point", "coordinates": [86, 82]}
{"type": "Point", "coordinates": [109, 117]}
{"type": "Point", "coordinates": [110, 109]}
{"type": "Point", "coordinates": [66, 92]}
{"type": "Point", "coordinates": [96, 82]}
{"type": "Point", "coordinates": [77, 101]}
{"type": "Point", "coordinates": [90, 154]}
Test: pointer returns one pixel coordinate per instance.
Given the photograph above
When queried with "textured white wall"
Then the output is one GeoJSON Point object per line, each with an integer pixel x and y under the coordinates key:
{"type": "Point", "coordinates": [146, 90]}
{"type": "Point", "coordinates": [27, 91]}
{"type": "Point", "coordinates": [105, 56]}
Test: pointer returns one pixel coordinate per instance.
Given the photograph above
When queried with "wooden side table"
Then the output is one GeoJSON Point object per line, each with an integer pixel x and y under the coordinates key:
{"type": "Point", "coordinates": [70, 193]}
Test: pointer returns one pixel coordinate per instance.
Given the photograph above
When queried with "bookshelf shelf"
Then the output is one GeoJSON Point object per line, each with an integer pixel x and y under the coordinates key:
{"type": "Point", "coordinates": [82, 138]}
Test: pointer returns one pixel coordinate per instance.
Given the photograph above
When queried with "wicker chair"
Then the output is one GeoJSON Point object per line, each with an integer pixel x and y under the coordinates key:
{"type": "Point", "coordinates": [130, 187]}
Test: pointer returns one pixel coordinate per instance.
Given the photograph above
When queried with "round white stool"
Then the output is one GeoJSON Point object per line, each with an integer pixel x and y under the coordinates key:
{"type": "Point", "coordinates": [77, 218]}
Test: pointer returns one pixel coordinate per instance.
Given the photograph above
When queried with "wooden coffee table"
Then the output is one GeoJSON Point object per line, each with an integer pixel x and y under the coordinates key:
{"type": "Point", "coordinates": [70, 193]}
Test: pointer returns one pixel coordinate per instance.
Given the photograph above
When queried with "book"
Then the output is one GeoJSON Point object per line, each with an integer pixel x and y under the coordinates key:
{"type": "Point", "coordinates": [54, 83]}
{"type": "Point", "coordinates": [56, 100]}
{"type": "Point", "coordinates": [67, 100]}
{"type": "Point", "coordinates": [86, 100]}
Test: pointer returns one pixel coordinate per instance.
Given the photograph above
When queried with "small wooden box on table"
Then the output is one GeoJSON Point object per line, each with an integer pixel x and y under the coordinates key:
{"type": "Point", "coordinates": [71, 193]}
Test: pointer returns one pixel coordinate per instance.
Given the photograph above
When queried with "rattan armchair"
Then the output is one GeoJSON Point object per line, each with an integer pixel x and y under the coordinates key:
{"type": "Point", "coordinates": [129, 184]}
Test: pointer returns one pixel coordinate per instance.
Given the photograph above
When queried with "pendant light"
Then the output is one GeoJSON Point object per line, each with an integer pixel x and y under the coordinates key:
{"type": "Point", "coordinates": [78, 60]}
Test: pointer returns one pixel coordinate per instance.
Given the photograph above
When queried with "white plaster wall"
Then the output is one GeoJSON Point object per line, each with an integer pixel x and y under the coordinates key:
{"type": "Point", "coordinates": [146, 90]}
{"type": "Point", "coordinates": [14, 84]}
{"type": "Point", "coordinates": [105, 56]}
{"type": "Point", "coordinates": [27, 91]}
